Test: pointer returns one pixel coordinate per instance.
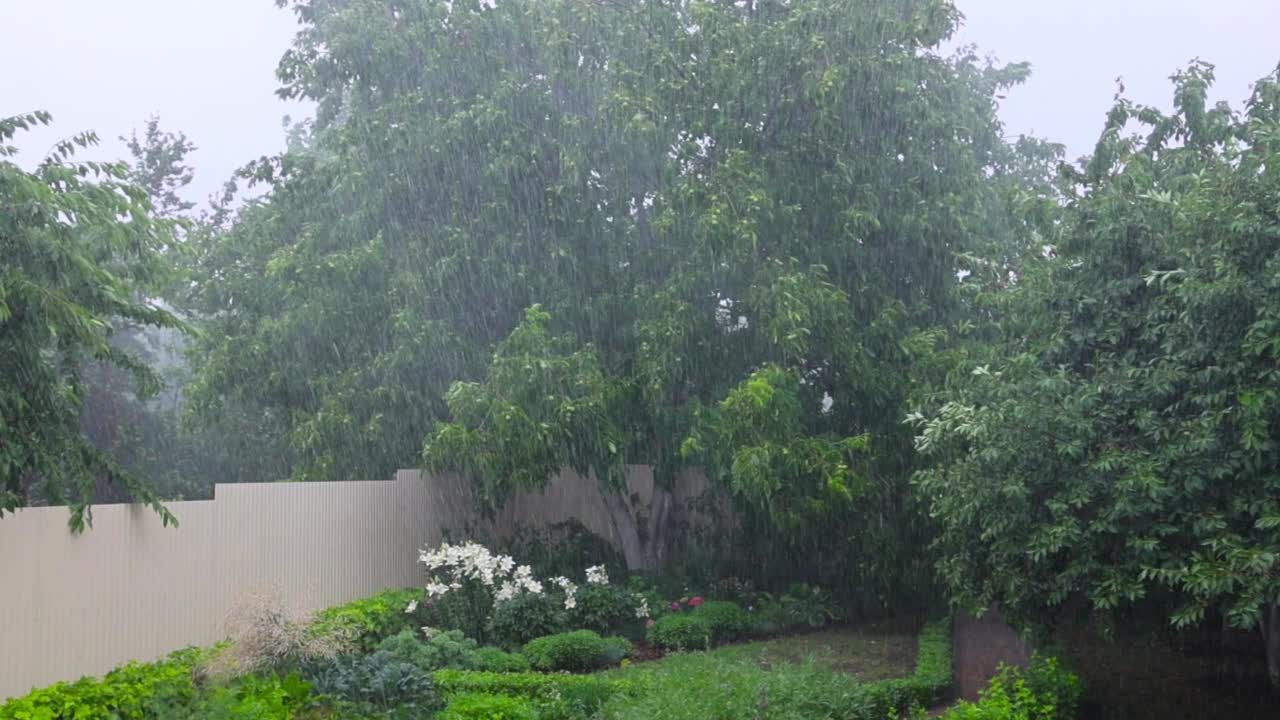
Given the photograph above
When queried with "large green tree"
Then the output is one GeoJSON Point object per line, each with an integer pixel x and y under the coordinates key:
{"type": "Point", "coordinates": [78, 240]}
{"type": "Point", "coordinates": [698, 195]}
{"type": "Point", "coordinates": [1118, 442]}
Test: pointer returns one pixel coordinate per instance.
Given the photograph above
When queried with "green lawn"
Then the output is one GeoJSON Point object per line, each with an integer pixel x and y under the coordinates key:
{"type": "Point", "coordinates": [865, 653]}
{"type": "Point", "coordinates": [815, 675]}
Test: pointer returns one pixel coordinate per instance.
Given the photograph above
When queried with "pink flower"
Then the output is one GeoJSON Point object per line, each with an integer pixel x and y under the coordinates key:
{"type": "Point", "coordinates": [675, 606]}
{"type": "Point", "coordinates": [696, 601]}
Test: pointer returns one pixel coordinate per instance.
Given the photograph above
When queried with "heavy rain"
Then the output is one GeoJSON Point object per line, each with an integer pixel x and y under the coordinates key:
{"type": "Point", "coordinates": [623, 359]}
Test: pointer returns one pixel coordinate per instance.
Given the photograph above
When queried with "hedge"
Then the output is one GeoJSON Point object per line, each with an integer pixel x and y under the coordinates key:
{"type": "Point", "coordinates": [925, 687]}
{"type": "Point", "coordinates": [557, 696]}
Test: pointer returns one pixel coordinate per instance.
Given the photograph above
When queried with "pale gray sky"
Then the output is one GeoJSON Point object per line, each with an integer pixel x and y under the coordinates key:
{"type": "Point", "coordinates": [207, 66]}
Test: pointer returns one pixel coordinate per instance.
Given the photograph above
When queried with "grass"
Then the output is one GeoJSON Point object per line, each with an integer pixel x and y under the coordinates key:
{"type": "Point", "coordinates": [867, 653]}
{"type": "Point", "coordinates": [812, 676]}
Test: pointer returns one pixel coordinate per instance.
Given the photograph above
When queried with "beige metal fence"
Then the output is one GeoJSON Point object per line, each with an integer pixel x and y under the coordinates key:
{"type": "Point", "coordinates": [130, 589]}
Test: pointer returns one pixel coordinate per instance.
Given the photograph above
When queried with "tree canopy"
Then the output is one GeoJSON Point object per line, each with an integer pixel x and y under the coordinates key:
{"type": "Point", "coordinates": [79, 242]}
{"type": "Point", "coordinates": [1116, 440]}
{"type": "Point", "coordinates": [691, 192]}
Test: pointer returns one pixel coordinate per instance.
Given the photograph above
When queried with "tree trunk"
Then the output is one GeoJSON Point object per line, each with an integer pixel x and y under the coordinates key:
{"type": "Point", "coordinates": [1271, 637]}
{"type": "Point", "coordinates": [647, 551]}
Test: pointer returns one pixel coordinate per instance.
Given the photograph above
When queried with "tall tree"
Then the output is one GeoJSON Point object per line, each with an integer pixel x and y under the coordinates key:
{"type": "Point", "coordinates": [691, 192]}
{"type": "Point", "coordinates": [1118, 443]}
{"type": "Point", "coordinates": [78, 238]}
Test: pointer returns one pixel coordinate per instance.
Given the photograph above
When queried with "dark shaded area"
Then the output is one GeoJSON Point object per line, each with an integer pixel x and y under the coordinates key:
{"type": "Point", "coordinates": [980, 646]}
{"type": "Point", "coordinates": [1140, 673]}
{"type": "Point", "coordinates": [1203, 674]}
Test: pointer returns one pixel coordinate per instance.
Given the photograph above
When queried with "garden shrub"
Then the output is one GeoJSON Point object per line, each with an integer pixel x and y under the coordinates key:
{"type": "Point", "coordinates": [768, 618]}
{"type": "Point", "coordinates": [681, 631]}
{"type": "Point", "coordinates": [491, 659]}
{"type": "Point", "coordinates": [562, 548]}
{"type": "Point", "coordinates": [808, 605]}
{"type": "Point", "coordinates": [369, 621]}
{"type": "Point", "coordinates": [486, 706]}
{"type": "Point", "coordinates": [265, 635]}
{"type": "Point", "coordinates": [727, 620]}
{"type": "Point", "coordinates": [130, 692]}
{"type": "Point", "coordinates": [557, 696]}
{"type": "Point", "coordinates": [606, 609]}
{"type": "Point", "coordinates": [376, 682]}
{"type": "Point", "coordinates": [524, 617]}
{"type": "Point", "coordinates": [577, 651]}
{"type": "Point", "coordinates": [253, 697]}
{"type": "Point", "coordinates": [449, 649]}
{"type": "Point", "coordinates": [1043, 691]}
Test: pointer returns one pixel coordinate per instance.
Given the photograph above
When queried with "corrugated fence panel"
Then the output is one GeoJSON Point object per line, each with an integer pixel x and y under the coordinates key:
{"type": "Point", "coordinates": [130, 589]}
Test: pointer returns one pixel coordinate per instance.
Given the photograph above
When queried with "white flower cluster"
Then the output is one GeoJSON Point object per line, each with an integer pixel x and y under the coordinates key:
{"type": "Point", "coordinates": [521, 581]}
{"type": "Point", "coordinates": [597, 575]}
{"type": "Point", "coordinates": [449, 566]}
{"type": "Point", "coordinates": [472, 561]}
{"type": "Point", "coordinates": [570, 591]}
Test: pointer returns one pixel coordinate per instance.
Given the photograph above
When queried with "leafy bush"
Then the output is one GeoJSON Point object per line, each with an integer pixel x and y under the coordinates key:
{"type": "Point", "coordinates": [449, 649]}
{"type": "Point", "coordinates": [254, 697]}
{"type": "Point", "coordinates": [576, 651]}
{"type": "Point", "coordinates": [808, 605]}
{"type": "Point", "coordinates": [1044, 691]}
{"type": "Point", "coordinates": [681, 631]}
{"type": "Point", "coordinates": [131, 692]}
{"type": "Point", "coordinates": [485, 706]}
{"type": "Point", "coordinates": [768, 617]}
{"type": "Point", "coordinates": [605, 609]}
{"type": "Point", "coordinates": [727, 620]}
{"type": "Point", "coordinates": [369, 621]}
{"type": "Point", "coordinates": [379, 681]}
{"type": "Point", "coordinates": [557, 696]}
{"type": "Point", "coordinates": [562, 548]}
{"type": "Point", "coordinates": [491, 659]}
{"type": "Point", "coordinates": [524, 617]}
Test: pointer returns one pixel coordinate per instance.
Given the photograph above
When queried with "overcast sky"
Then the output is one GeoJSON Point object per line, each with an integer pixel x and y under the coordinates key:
{"type": "Point", "coordinates": [206, 67]}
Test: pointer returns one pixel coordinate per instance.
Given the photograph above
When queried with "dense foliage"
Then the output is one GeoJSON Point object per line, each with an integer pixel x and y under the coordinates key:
{"type": "Point", "coordinates": [540, 234]}
{"type": "Point", "coordinates": [1114, 441]}
{"type": "Point", "coordinates": [1042, 691]}
{"type": "Point", "coordinates": [575, 651]}
{"type": "Point", "coordinates": [80, 244]}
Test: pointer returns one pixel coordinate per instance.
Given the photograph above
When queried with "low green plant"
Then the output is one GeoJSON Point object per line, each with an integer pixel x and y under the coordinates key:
{"type": "Point", "coordinates": [379, 682]}
{"type": "Point", "coordinates": [1043, 691]}
{"type": "Point", "coordinates": [487, 706]}
{"type": "Point", "coordinates": [252, 697]}
{"type": "Point", "coordinates": [809, 605]}
{"type": "Point", "coordinates": [681, 632]}
{"type": "Point", "coordinates": [130, 692]}
{"type": "Point", "coordinates": [556, 696]}
{"type": "Point", "coordinates": [368, 621]}
{"type": "Point", "coordinates": [606, 609]}
{"type": "Point", "coordinates": [727, 620]}
{"type": "Point", "coordinates": [491, 659]}
{"type": "Point", "coordinates": [768, 617]}
{"type": "Point", "coordinates": [450, 649]}
{"type": "Point", "coordinates": [527, 616]}
{"type": "Point", "coordinates": [577, 651]}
